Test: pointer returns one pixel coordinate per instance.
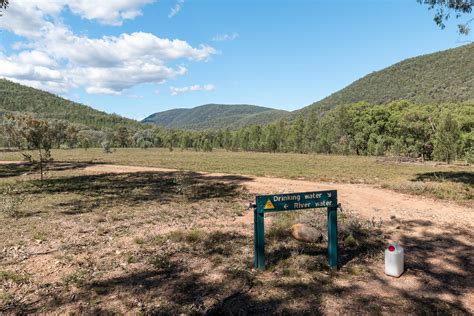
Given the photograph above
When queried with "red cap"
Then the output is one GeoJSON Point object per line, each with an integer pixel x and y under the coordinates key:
{"type": "Point", "coordinates": [391, 248]}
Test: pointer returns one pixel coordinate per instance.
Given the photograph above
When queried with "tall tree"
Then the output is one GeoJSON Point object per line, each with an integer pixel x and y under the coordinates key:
{"type": "Point", "coordinates": [447, 138]}
{"type": "Point", "coordinates": [297, 135]}
{"type": "Point", "coordinates": [122, 136]}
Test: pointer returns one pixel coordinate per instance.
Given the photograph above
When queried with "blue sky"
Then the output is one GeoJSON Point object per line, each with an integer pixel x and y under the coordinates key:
{"type": "Point", "coordinates": [137, 57]}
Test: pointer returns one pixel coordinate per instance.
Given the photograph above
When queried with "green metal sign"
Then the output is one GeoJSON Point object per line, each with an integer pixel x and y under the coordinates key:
{"type": "Point", "coordinates": [294, 202]}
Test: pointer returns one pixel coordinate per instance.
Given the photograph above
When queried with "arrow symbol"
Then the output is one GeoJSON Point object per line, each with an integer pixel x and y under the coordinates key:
{"type": "Point", "coordinates": [285, 206]}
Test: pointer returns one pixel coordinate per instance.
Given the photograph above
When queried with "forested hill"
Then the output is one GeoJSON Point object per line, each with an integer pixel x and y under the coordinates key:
{"type": "Point", "coordinates": [214, 116]}
{"type": "Point", "coordinates": [15, 97]}
{"type": "Point", "coordinates": [446, 76]}
{"type": "Point", "coordinates": [441, 77]}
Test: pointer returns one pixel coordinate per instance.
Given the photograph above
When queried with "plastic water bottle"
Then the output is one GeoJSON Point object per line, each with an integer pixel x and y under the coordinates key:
{"type": "Point", "coordinates": [394, 258]}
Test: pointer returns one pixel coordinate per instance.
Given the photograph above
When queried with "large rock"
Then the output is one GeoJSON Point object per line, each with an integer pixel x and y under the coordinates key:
{"type": "Point", "coordinates": [306, 233]}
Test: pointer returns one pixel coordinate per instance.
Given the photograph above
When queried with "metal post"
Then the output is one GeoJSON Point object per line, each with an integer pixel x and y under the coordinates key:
{"type": "Point", "coordinates": [333, 254]}
{"type": "Point", "coordinates": [259, 239]}
{"type": "Point", "coordinates": [255, 240]}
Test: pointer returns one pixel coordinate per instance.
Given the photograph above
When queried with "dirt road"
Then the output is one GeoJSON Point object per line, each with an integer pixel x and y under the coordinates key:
{"type": "Point", "coordinates": [368, 201]}
{"type": "Point", "coordinates": [438, 236]}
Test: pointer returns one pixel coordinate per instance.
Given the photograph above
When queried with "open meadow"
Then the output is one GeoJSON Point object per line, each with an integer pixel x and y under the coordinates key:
{"type": "Point", "coordinates": [450, 182]}
{"type": "Point", "coordinates": [155, 232]}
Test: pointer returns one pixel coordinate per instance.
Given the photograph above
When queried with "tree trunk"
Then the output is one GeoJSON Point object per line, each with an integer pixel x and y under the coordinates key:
{"type": "Point", "coordinates": [41, 166]}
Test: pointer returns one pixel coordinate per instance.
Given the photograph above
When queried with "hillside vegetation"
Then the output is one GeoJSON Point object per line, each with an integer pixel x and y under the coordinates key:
{"type": "Point", "coordinates": [426, 130]}
{"type": "Point", "coordinates": [446, 76]}
{"type": "Point", "coordinates": [215, 116]}
{"type": "Point", "coordinates": [15, 97]}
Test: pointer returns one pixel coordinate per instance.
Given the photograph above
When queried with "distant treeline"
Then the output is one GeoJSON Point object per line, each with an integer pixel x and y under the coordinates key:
{"type": "Point", "coordinates": [441, 132]}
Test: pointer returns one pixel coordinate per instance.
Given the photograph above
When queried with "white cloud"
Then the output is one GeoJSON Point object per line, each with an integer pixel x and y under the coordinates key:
{"type": "Point", "coordinates": [196, 87]}
{"type": "Point", "coordinates": [14, 67]}
{"type": "Point", "coordinates": [175, 10]}
{"type": "Point", "coordinates": [35, 57]}
{"type": "Point", "coordinates": [100, 90]}
{"type": "Point", "coordinates": [135, 96]}
{"type": "Point", "coordinates": [24, 19]}
{"type": "Point", "coordinates": [225, 37]}
{"type": "Point", "coordinates": [56, 59]}
{"type": "Point", "coordinates": [115, 50]}
{"type": "Point", "coordinates": [112, 12]}
{"type": "Point", "coordinates": [116, 79]}
{"type": "Point", "coordinates": [39, 77]}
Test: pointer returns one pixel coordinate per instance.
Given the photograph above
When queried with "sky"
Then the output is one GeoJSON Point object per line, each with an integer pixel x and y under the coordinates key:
{"type": "Point", "coordinates": [138, 57]}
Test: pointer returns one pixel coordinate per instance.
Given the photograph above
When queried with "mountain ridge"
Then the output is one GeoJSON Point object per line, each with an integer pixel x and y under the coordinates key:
{"type": "Point", "coordinates": [214, 116]}
{"type": "Point", "coordinates": [439, 77]}
{"type": "Point", "coordinates": [15, 97]}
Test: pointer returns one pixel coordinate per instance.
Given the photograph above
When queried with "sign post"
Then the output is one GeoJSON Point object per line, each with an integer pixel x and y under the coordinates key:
{"type": "Point", "coordinates": [294, 202]}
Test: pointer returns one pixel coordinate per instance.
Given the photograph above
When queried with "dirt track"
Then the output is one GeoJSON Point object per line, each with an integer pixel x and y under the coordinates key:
{"type": "Point", "coordinates": [437, 235]}
{"type": "Point", "coordinates": [368, 201]}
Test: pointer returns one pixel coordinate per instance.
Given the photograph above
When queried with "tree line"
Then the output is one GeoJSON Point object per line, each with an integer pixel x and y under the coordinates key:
{"type": "Point", "coordinates": [439, 132]}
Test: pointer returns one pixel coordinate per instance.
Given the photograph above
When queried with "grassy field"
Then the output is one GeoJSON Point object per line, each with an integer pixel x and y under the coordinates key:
{"type": "Point", "coordinates": [451, 182]}
{"type": "Point", "coordinates": [177, 242]}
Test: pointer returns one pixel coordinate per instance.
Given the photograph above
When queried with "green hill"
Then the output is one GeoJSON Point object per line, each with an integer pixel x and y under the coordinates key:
{"type": "Point", "coordinates": [15, 97]}
{"type": "Point", "coordinates": [441, 77]}
{"type": "Point", "coordinates": [446, 76]}
{"type": "Point", "coordinates": [213, 116]}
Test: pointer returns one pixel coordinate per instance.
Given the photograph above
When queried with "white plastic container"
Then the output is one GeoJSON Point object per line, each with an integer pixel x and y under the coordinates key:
{"type": "Point", "coordinates": [394, 260]}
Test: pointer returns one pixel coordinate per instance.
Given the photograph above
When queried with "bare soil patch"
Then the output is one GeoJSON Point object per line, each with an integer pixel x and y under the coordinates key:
{"type": "Point", "coordinates": [434, 232]}
{"type": "Point", "coordinates": [110, 238]}
{"type": "Point", "coordinates": [368, 200]}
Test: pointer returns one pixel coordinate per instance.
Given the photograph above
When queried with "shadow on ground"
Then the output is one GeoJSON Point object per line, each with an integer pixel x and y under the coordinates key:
{"type": "Point", "coordinates": [451, 176]}
{"type": "Point", "coordinates": [134, 189]}
{"type": "Point", "coordinates": [178, 279]}
{"type": "Point", "coordinates": [439, 259]}
{"type": "Point", "coordinates": [172, 284]}
{"type": "Point", "coordinates": [444, 258]}
{"type": "Point", "coordinates": [24, 168]}
{"type": "Point", "coordinates": [441, 263]}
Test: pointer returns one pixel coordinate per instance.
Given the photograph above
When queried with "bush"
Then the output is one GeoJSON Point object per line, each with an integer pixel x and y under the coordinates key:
{"type": "Point", "coordinates": [12, 201]}
{"type": "Point", "coordinates": [106, 147]}
{"type": "Point", "coordinates": [469, 156]}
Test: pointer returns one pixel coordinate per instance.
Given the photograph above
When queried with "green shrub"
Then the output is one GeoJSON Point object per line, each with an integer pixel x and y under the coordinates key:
{"type": "Point", "coordinates": [11, 201]}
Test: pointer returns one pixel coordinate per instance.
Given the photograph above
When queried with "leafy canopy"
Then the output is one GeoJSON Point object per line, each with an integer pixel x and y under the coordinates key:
{"type": "Point", "coordinates": [446, 8]}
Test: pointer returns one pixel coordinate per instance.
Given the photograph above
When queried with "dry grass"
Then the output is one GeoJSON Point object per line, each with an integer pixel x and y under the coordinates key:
{"type": "Point", "coordinates": [176, 242]}
{"type": "Point", "coordinates": [451, 182]}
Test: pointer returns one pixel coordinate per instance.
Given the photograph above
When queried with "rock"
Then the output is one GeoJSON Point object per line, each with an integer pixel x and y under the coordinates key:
{"type": "Point", "coordinates": [306, 233]}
